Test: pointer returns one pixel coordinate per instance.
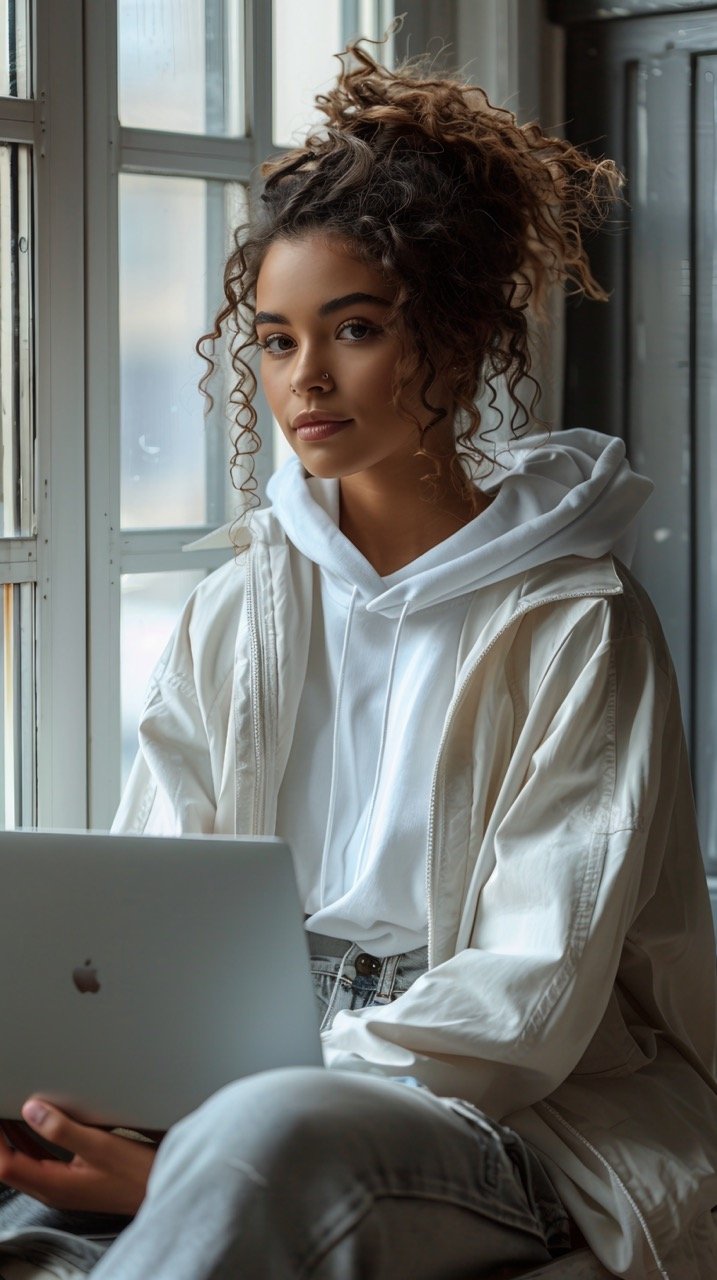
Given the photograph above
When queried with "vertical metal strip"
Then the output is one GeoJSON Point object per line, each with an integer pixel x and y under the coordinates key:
{"type": "Point", "coordinates": [9, 756]}
{"type": "Point", "coordinates": [27, 424]}
{"type": "Point", "coordinates": [633, 151]}
{"type": "Point", "coordinates": [13, 441]}
{"type": "Point", "coordinates": [7, 380]}
{"type": "Point", "coordinates": [102, 143]}
{"type": "Point", "coordinates": [61, 484]}
{"type": "Point", "coordinates": [659, 386]}
{"type": "Point", "coordinates": [27, 728]}
{"type": "Point", "coordinates": [260, 15]}
{"type": "Point", "coordinates": [705, 449]}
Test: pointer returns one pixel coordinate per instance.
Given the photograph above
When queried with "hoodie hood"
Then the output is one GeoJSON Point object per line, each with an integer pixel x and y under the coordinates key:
{"type": "Point", "coordinates": [571, 493]}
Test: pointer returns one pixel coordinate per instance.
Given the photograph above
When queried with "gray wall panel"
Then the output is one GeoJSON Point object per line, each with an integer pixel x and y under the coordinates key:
{"type": "Point", "coordinates": [643, 91]}
{"type": "Point", "coordinates": [658, 328]}
{"type": "Point", "coordinates": [705, 437]}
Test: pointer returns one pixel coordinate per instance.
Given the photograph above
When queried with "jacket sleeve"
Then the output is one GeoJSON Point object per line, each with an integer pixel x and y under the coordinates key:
{"type": "Point", "coordinates": [570, 856]}
{"type": "Point", "coordinates": [183, 732]}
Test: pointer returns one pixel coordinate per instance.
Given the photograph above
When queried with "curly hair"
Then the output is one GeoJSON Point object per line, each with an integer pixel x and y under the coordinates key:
{"type": "Point", "coordinates": [470, 217]}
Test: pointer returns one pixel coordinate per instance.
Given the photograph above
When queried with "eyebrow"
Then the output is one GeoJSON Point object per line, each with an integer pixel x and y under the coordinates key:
{"type": "Point", "coordinates": [326, 308]}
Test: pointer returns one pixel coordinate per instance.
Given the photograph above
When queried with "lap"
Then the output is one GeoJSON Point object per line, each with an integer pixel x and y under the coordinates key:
{"type": "Point", "coordinates": [305, 1173]}
{"type": "Point", "coordinates": [315, 1134]}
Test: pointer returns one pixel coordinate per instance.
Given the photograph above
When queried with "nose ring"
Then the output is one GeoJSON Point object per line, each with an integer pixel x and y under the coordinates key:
{"type": "Point", "coordinates": [292, 388]}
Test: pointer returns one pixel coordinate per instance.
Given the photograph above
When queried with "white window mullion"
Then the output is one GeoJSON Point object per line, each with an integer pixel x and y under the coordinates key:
{"type": "Point", "coordinates": [186, 155]}
{"type": "Point", "coordinates": [60, 476]}
{"type": "Point", "coordinates": [259, 77]}
{"type": "Point", "coordinates": [103, 433]}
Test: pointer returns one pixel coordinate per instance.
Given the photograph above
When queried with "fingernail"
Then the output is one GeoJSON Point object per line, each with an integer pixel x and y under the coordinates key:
{"type": "Point", "coordinates": [35, 1113]}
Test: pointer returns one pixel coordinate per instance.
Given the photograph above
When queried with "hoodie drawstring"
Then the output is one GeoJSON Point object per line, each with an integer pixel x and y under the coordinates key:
{"type": "Point", "coordinates": [384, 727]}
{"type": "Point", "coordinates": [335, 750]}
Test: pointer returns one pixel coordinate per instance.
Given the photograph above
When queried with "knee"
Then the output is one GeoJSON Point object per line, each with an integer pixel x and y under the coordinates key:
{"type": "Point", "coordinates": [267, 1118]}
{"type": "Point", "coordinates": [298, 1119]}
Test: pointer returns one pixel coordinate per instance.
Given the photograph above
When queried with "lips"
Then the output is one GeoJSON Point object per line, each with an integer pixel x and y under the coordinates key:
{"type": "Point", "coordinates": [321, 430]}
{"type": "Point", "coordinates": [317, 424]}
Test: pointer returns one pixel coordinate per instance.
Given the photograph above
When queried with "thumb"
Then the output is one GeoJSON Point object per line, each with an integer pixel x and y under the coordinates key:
{"type": "Point", "coordinates": [53, 1125]}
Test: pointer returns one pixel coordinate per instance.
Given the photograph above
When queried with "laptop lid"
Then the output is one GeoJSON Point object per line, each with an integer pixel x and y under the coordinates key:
{"type": "Point", "coordinates": [139, 974]}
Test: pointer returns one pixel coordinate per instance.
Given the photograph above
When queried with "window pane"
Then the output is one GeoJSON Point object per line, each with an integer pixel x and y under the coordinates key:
{"type": "Point", "coordinates": [14, 60]}
{"type": "Point", "coordinates": [181, 65]}
{"type": "Point", "coordinates": [17, 707]}
{"type": "Point", "coordinates": [16, 427]}
{"type": "Point", "coordinates": [151, 604]}
{"type": "Point", "coordinates": [306, 36]}
{"type": "Point", "coordinates": [174, 235]}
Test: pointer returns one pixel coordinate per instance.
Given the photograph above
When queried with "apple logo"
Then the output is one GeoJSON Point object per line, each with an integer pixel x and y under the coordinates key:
{"type": "Point", "coordinates": [85, 978]}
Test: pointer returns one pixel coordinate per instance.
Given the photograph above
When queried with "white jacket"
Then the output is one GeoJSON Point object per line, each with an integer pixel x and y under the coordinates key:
{"type": "Point", "coordinates": [571, 983]}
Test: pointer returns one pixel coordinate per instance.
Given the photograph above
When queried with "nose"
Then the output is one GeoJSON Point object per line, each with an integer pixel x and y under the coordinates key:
{"type": "Point", "coordinates": [309, 376]}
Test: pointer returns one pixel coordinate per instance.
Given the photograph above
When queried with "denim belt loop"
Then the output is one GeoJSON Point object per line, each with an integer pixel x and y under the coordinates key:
{"type": "Point", "coordinates": [387, 980]}
{"type": "Point", "coordinates": [348, 958]}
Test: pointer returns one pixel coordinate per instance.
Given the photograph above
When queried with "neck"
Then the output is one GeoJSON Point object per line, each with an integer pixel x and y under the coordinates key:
{"type": "Point", "coordinates": [393, 520]}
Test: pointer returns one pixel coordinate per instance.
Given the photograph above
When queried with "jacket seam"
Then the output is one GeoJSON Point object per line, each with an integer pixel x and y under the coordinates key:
{"type": "Point", "coordinates": [589, 887]}
{"type": "Point", "coordinates": [524, 607]}
{"type": "Point", "coordinates": [613, 1174]}
{"type": "Point", "coordinates": [171, 680]}
{"type": "Point", "coordinates": [142, 818]}
{"type": "Point", "coordinates": [222, 685]}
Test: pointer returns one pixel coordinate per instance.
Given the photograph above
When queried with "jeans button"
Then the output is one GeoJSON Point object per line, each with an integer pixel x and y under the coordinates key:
{"type": "Point", "coordinates": [367, 965]}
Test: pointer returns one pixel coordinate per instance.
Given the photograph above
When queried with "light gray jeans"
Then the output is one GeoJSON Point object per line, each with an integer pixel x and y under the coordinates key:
{"type": "Point", "coordinates": [304, 1174]}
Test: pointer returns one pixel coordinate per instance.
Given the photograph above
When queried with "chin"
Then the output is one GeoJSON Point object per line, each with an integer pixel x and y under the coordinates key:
{"type": "Point", "coordinates": [325, 468]}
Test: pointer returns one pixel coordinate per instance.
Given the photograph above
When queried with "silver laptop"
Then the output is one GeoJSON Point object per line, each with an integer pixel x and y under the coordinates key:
{"type": "Point", "coordinates": [139, 974]}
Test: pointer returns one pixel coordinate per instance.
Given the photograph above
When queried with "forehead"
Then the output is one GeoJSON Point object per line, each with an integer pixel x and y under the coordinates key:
{"type": "Point", "coordinates": [306, 272]}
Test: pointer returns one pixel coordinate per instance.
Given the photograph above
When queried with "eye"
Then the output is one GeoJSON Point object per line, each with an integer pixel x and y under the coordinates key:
{"type": "Point", "coordinates": [277, 344]}
{"type": "Point", "coordinates": [357, 330]}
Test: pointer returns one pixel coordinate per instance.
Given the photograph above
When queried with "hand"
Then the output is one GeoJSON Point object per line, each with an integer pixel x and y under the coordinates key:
{"type": "Point", "coordinates": [107, 1173]}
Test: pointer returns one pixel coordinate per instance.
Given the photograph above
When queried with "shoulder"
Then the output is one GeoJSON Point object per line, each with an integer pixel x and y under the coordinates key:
{"type": "Point", "coordinates": [219, 598]}
{"type": "Point", "coordinates": [203, 645]}
{"type": "Point", "coordinates": [575, 614]}
{"type": "Point", "coordinates": [198, 658]}
{"type": "Point", "coordinates": [212, 611]}
{"type": "Point", "coordinates": [600, 598]}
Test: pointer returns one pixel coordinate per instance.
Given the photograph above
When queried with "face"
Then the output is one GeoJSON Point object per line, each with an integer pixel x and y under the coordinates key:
{"type": "Point", "coordinates": [327, 361]}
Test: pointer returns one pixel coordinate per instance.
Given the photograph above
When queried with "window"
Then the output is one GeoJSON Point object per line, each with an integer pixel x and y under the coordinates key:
{"type": "Point", "coordinates": [130, 134]}
{"type": "Point", "coordinates": [42, 489]}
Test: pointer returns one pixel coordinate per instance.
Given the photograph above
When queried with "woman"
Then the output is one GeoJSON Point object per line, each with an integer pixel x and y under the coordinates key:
{"type": "Point", "coordinates": [438, 679]}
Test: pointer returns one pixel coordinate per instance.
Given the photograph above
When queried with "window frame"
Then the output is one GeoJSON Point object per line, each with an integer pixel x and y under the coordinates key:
{"type": "Point", "coordinates": [51, 556]}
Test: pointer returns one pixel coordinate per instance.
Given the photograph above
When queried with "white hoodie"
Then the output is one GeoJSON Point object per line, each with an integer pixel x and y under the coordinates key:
{"type": "Point", "coordinates": [383, 658]}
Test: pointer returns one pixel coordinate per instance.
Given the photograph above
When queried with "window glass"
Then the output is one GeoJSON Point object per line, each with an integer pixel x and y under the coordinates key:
{"type": "Point", "coordinates": [16, 426]}
{"type": "Point", "coordinates": [17, 706]}
{"type": "Point", "coordinates": [181, 65]}
{"type": "Point", "coordinates": [14, 62]}
{"type": "Point", "coordinates": [306, 36]}
{"type": "Point", "coordinates": [151, 604]}
{"type": "Point", "coordinates": [174, 234]}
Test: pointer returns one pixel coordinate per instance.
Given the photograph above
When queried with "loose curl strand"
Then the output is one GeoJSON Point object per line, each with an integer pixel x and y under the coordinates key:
{"type": "Point", "coordinates": [472, 219]}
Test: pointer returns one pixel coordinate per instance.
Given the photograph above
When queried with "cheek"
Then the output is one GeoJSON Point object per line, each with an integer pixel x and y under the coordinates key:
{"type": "Point", "coordinates": [371, 375]}
{"type": "Point", "coordinates": [274, 379]}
